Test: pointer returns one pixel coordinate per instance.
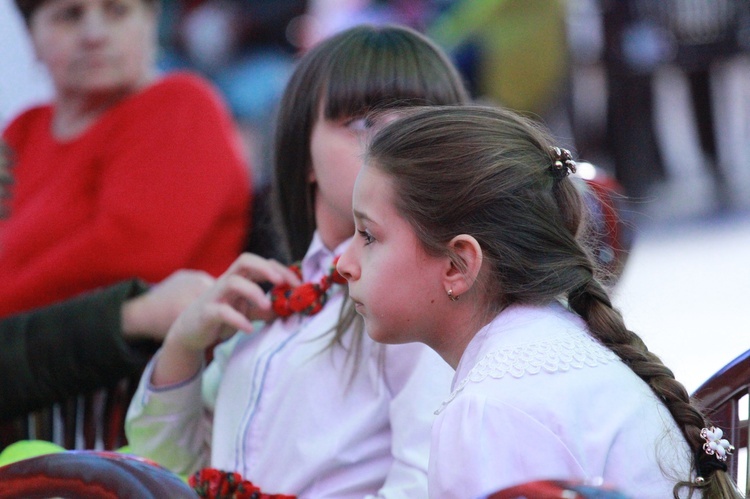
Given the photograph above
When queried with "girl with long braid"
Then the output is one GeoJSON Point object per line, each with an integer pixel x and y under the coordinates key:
{"type": "Point", "coordinates": [469, 238]}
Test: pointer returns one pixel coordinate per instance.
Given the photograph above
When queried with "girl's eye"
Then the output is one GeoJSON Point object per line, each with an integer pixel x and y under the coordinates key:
{"type": "Point", "coordinates": [366, 236]}
{"type": "Point", "coordinates": [68, 13]}
{"type": "Point", "coordinates": [358, 124]}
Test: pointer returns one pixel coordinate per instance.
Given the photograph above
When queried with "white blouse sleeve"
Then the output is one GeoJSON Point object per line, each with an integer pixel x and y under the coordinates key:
{"type": "Point", "coordinates": [481, 446]}
{"type": "Point", "coordinates": [419, 380]}
{"type": "Point", "coordinates": [172, 425]}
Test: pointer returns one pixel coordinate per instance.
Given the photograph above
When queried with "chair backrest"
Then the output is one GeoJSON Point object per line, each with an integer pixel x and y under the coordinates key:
{"type": "Point", "coordinates": [94, 420]}
{"type": "Point", "coordinates": [725, 398]}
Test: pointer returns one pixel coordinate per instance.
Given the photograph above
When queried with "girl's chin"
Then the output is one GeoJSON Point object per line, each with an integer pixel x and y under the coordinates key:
{"type": "Point", "coordinates": [374, 334]}
{"type": "Point", "coordinates": [380, 336]}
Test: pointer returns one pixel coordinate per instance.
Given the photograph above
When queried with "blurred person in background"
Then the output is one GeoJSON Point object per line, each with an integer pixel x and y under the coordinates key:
{"type": "Point", "coordinates": [85, 343]}
{"type": "Point", "coordinates": [127, 173]}
{"type": "Point", "coordinates": [665, 87]}
{"type": "Point", "coordinates": [247, 49]}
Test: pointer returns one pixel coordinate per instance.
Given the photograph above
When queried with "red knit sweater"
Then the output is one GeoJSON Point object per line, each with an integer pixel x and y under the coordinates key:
{"type": "Point", "coordinates": [158, 183]}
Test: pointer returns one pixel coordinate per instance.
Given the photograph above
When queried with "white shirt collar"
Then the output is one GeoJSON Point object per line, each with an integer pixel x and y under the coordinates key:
{"type": "Point", "coordinates": [516, 325]}
{"type": "Point", "coordinates": [319, 258]}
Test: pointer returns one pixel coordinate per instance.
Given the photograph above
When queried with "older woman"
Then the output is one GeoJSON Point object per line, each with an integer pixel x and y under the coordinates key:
{"type": "Point", "coordinates": [127, 173]}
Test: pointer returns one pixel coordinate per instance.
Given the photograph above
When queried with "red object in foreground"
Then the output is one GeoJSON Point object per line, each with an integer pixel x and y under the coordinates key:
{"type": "Point", "coordinates": [556, 489]}
{"type": "Point", "coordinates": [307, 298]}
{"type": "Point", "coordinates": [93, 475]}
{"type": "Point", "coordinates": [211, 483]}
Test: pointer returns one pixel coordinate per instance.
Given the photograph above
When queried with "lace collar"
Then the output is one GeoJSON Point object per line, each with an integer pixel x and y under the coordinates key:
{"type": "Point", "coordinates": [525, 341]}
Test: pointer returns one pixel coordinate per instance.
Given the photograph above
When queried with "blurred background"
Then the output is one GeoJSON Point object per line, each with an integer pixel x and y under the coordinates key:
{"type": "Point", "coordinates": [654, 94]}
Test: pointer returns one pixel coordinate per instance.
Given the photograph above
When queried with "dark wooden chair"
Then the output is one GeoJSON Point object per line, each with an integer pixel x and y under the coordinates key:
{"type": "Point", "coordinates": [725, 398]}
{"type": "Point", "coordinates": [94, 420]}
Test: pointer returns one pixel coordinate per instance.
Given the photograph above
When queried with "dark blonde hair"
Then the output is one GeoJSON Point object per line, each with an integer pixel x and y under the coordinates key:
{"type": "Point", "coordinates": [486, 172]}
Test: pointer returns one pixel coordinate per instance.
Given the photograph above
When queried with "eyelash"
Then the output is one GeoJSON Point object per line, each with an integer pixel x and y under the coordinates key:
{"type": "Point", "coordinates": [366, 236]}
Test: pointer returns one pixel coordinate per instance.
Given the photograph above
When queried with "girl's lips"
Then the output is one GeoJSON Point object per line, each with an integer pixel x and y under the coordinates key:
{"type": "Point", "coordinates": [357, 304]}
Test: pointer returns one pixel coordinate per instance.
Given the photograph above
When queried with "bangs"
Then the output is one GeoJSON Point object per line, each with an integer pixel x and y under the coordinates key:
{"type": "Point", "coordinates": [383, 69]}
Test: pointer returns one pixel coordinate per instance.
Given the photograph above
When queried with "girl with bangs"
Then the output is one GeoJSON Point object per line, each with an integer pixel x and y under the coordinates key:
{"type": "Point", "coordinates": [307, 404]}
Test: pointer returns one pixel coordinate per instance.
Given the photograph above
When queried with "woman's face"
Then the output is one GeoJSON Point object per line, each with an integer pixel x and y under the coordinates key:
{"type": "Point", "coordinates": [96, 46]}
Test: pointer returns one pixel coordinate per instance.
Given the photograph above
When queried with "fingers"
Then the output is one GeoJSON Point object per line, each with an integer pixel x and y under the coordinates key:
{"type": "Point", "coordinates": [242, 292]}
{"type": "Point", "coordinates": [232, 303]}
{"type": "Point", "coordinates": [259, 269]}
{"type": "Point", "coordinates": [230, 319]}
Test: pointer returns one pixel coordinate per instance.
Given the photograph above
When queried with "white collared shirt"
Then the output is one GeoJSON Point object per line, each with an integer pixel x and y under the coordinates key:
{"type": "Point", "coordinates": [293, 416]}
{"type": "Point", "coordinates": [536, 397]}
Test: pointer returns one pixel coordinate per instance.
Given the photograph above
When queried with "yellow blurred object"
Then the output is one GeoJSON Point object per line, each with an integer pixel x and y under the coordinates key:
{"type": "Point", "coordinates": [523, 48]}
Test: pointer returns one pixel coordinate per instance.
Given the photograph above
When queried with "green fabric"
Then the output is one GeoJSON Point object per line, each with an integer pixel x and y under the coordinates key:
{"type": "Point", "coordinates": [69, 348]}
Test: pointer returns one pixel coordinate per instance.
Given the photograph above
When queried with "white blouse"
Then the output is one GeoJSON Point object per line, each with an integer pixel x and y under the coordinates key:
{"type": "Point", "coordinates": [296, 417]}
{"type": "Point", "coordinates": [536, 397]}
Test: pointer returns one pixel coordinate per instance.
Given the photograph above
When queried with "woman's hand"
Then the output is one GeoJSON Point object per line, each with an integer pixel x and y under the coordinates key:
{"type": "Point", "coordinates": [151, 314]}
{"type": "Point", "coordinates": [231, 304]}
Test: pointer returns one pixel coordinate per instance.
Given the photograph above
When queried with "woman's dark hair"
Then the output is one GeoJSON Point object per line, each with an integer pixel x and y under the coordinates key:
{"type": "Point", "coordinates": [28, 7]}
{"type": "Point", "coordinates": [486, 172]}
{"type": "Point", "coordinates": [363, 68]}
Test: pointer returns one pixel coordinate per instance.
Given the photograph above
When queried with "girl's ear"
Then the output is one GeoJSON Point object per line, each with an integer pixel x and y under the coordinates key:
{"type": "Point", "coordinates": [464, 266]}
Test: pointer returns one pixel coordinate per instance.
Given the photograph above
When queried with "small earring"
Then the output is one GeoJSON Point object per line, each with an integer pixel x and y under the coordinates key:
{"type": "Point", "coordinates": [450, 295]}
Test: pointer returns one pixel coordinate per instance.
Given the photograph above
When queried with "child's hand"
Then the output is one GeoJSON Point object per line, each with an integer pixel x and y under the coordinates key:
{"type": "Point", "coordinates": [231, 304]}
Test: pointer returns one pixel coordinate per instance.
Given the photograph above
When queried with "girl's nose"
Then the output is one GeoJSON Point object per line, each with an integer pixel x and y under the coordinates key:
{"type": "Point", "coordinates": [346, 264]}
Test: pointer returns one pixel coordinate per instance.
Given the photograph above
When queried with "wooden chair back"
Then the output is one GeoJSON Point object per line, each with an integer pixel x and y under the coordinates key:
{"type": "Point", "coordinates": [725, 398]}
{"type": "Point", "coordinates": [94, 420]}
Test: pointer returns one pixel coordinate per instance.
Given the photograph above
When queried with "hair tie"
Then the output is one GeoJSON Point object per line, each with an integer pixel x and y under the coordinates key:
{"type": "Point", "coordinates": [715, 446]}
{"type": "Point", "coordinates": [562, 163]}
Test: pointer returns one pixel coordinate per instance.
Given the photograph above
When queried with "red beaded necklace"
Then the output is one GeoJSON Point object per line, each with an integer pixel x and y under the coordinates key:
{"type": "Point", "coordinates": [307, 298]}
